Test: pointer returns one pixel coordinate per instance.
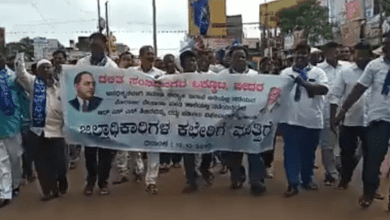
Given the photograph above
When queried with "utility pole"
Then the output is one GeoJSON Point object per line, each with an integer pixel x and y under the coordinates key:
{"type": "Point", "coordinates": [380, 22]}
{"type": "Point", "coordinates": [107, 29]}
{"type": "Point", "coordinates": [264, 37]}
{"type": "Point", "coordinates": [266, 31]}
{"type": "Point", "coordinates": [100, 28]}
{"type": "Point", "coordinates": [154, 28]}
{"type": "Point", "coordinates": [364, 24]}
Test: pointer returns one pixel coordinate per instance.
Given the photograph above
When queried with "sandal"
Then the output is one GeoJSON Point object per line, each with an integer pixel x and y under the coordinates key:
{"type": "Point", "coordinates": [4, 202]}
{"type": "Point", "coordinates": [379, 196]}
{"type": "Point", "coordinates": [365, 201]}
{"type": "Point", "coordinates": [152, 189]}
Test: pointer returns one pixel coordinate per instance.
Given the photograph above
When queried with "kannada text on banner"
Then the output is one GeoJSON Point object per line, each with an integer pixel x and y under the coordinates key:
{"type": "Point", "coordinates": [185, 113]}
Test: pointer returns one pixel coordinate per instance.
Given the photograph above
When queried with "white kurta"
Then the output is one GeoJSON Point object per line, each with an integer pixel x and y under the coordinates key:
{"type": "Point", "coordinates": [10, 165]}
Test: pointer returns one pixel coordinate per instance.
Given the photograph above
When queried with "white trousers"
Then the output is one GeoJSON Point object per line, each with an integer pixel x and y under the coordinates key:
{"type": "Point", "coordinates": [328, 143]}
{"type": "Point", "coordinates": [125, 158]}
{"type": "Point", "coordinates": [153, 168]}
{"type": "Point", "coordinates": [10, 165]}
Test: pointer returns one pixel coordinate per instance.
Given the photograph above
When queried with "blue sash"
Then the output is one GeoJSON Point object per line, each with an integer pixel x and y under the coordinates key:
{"type": "Point", "coordinates": [303, 73]}
{"type": "Point", "coordinates": [7, 105]}
{"type": "Point", "coordinates": [39, 103]}
{"type": "Point", "coordinates": [386, 84]}
{"type": "Point", "coordinates": [101, 63]}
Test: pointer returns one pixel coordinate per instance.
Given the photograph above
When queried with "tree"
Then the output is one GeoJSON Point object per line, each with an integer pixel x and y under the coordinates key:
{"type": "Point", "coordinates": [24, 45]}
{"type": "Point", "coordinates": [385, 6]}
{"type": "Point", "coordinates": [310, 16]}
{"type": "Point", "coordinates": [83, 46]}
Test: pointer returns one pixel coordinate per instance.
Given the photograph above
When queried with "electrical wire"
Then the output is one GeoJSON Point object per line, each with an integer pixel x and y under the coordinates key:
{"type": "Point", "coordinates": [60, 22]}
{"type": "Point", "coordinates": [36, 8]}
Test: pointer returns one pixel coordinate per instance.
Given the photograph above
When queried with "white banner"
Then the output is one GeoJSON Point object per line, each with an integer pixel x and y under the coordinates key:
{"type": "Point", "coordinates": [177, 113]}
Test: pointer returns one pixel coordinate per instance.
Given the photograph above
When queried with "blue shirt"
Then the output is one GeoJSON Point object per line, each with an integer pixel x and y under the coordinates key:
{"type": "Point", "coordinates": [10, 125]}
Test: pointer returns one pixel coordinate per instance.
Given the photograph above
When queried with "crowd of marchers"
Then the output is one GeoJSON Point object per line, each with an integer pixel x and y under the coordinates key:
{"type": "Point", "coordinates": [339, 101]}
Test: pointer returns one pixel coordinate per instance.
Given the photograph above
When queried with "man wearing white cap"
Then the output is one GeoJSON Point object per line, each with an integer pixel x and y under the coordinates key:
{"type": "Point", "coordinates": [46, 132]}
{"type": "Point", "coordinates": [315, 56]}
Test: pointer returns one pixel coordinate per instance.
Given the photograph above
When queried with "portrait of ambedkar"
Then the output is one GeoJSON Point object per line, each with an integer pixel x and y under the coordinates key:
{"type": "Point", "coordinates": [85, 86]}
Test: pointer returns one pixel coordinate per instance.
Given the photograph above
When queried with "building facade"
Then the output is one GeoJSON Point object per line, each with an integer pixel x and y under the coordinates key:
{"type": "Point", "coordinates": [43, 48]}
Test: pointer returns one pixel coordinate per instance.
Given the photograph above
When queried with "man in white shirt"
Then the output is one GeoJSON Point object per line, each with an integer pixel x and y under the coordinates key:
{"type": "Point", "coordinates": [11, 117]}
{"type": "Point", "coordinates": [188, 61]}
{"type": "Point", "coordinates": [170, 66]}
{"type": "Point", "coordinates": [376, 76]}
{"type": "Point", "coordinates": [126, 60]}
{"type": "Point", "coordinates": [328, 140]}
{"type": "Point", "coordinates": [204, 63]}
{"type": "Point", "coordinates": [59, 58]}
{"type": "Point", "coordinates": [217, 66]}
{"type": "Point", "coordinates": [46, 129]}
{"type": "Point", "coordinates": [166, 158]}
{"type": "Point", "coordinates": [147, 56]}
{"type": "Point", "coordinates": [353, 126]}
{"type": "Point", "coordinates": [122, 158]}
{"type": "Point", "coordinates": [345, 54]}
{"type": "Point", "coordinates": [98, 45]}
{"type": "Point", "coordinates": [315, 56]}
{"type": "Point", "coordinates": [303, 120]}
{"type": "Point", "coordinates": [234, 159]}
{"type": "Point", "coordinates": [97, 160]}
{"type": "Point", "coordinates": [266, 67]}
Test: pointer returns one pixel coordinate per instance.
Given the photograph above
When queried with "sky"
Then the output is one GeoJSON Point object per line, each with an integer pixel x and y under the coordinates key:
{"type": "Point", "coordinates": [130, 19]}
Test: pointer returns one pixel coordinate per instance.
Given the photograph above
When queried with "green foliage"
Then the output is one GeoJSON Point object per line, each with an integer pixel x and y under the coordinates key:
{"type": "Point", "coordinates": [385, 6]}
{"type": "Point", "coordinates": [309, 15]}
{"type": "Point", "coordinates": [83, 46]}
{"type": "Point", "coordinates": [24, 45]}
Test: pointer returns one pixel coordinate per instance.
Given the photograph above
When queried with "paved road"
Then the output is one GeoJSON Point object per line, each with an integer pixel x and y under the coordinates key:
{"type": "Point", "coordinates": [130, 201]}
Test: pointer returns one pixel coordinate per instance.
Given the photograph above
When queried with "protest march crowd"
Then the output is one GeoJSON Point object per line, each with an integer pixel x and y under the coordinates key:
{"type": "Point", "coordinates": [340, 99]}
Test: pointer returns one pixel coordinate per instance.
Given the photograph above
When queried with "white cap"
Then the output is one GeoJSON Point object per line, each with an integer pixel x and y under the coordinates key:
{"type": "Point", "coordinates": [315, 50]}
{"type": "Point", "coordinates": [42, 62]}
{"type": "Point", "coordinates": [378, 51]}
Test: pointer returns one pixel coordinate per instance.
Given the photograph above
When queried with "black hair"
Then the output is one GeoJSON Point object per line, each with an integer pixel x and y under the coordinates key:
{"type": "Point", "coordinates": [363, 46]}
{"type": "Point", "coordinates": [264, 59]}
{"type": "Point", "coordinates": [303, 46]}
{"type": "Point", "coordinates": [168, 55]}
{"type": "Point", "coordinates": [98, 36]}
{"type": "Point", "coordinates": [143, 49]}
{"type": "Point", "coordinates": [34, 68]}
{"type": "Point", "coordinates": [124, 54]}
{"type": "Point", "coordinates": [278, 60]}
{"type": "Point", "coordinates": [77, 79]}
{"type": "Point", "coordinates": [220, 54]}
{"type": "Point", "coordinates": [58, 52]}
{"type": "Point", "coordinates": [232, 49]}
{"type": "Point", "coordinates": [185, 55]}
{"type": "Point", "coordinates": [331, 45]}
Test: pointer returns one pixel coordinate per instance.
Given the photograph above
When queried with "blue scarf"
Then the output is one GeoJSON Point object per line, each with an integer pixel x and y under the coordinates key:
{"type": "Point", "coordinates": [303, 73]}
{"type": "Point", "coordinates": [101, 63]}
{"type": "Point", "coordinates": [386, 84]}
{"type": "Point", "coordinates": [7, 105]}
{"type": "Point", "coordinates": [39, 103]}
